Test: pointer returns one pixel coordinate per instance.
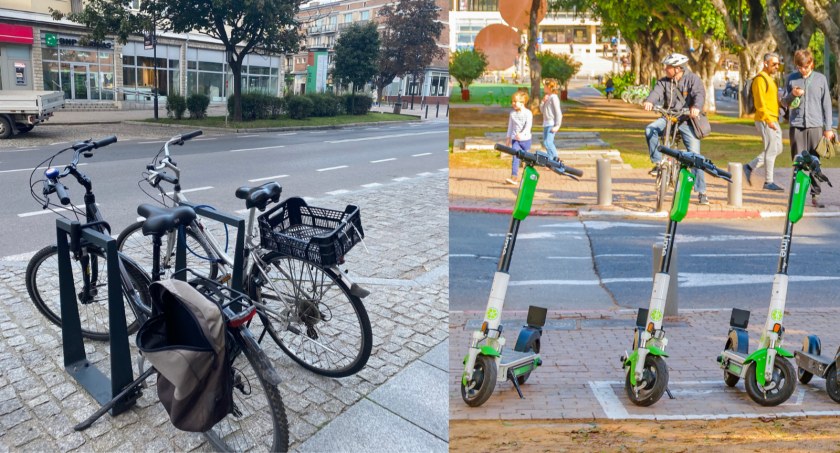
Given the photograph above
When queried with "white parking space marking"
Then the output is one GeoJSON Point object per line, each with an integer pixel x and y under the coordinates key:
{"type": "Point", "coordinates": [421, 154]}
{"type": "Point", "coordinates": [268, 178]}
{"type": "Point", "coordinates": [332, 168]}
{"type": "Point", "coordinates": [256, 149]}
{"type": "Point", "coordinates": [192, 190]}
{"type": "Point", "coordinates": [38, 168]}
{"type": "Point", "coordinates": [383, 160]}
{"type": "Point", "coordinates": [379, 137]}
{"type": "Point", "coordinates": [371, 185]}
{"type": "Point", "coordinates": [338, 192]}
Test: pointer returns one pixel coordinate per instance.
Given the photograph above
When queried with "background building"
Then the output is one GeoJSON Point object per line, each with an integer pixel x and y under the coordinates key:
{"type": "Point", "coordinates": [560, 32]}
{"type": "Point", "coordinates": [324, 20]}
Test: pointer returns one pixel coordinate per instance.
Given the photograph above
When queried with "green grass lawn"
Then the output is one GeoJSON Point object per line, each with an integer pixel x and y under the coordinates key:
{"type": "Point", "coordinates": [219, 121]}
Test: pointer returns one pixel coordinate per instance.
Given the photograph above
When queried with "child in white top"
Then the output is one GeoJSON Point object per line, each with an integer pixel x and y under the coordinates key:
{"type": "Point", "coordinates": [519, 131]}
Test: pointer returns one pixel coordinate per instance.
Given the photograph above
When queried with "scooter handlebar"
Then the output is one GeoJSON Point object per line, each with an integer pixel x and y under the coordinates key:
{"type": "Point", "coordinates": [541, 160]}
{"type": "Point", "coordinates": [693, 160]}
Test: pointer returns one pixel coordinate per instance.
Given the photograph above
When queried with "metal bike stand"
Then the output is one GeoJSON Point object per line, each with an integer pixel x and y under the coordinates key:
{"type": "Point", "coordinates": [75, 360]}
{"type": "Point", "coordinates": [239, 250]}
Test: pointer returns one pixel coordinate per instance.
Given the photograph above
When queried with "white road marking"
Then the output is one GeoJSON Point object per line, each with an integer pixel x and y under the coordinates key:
{"type": "Point", "coordinates": [149, 143]}
{"type": "Point", "coordinates": [19, 257]}
{"type": "Point", "coordinates": [383, 160]}
{"type": "Point", "coordinates": [619, 255]}
{"type": "Point", "coordinates": [47, 211]}
{"type": "Point", "coordinates": [421, 154]}
{"type": "Point", "coordinates": [379, 137]}
{"type": "Point", "coordinates": [318, 132]}
{"type": "Point", "coordinates": [541, 235]}
{"type": "Point", "coordinates": [192, 190]}
{"type": "Point", "coordinates": [338, 192]}
{"type": "Point", "coordinates": [425, 173]}
{"type": "Point", "coordinates": [58, 143]}
{"type": "Point", "coordinates": [249, 136]}
{"type": "Point", "coordinates": [734, 255]}
{"type": "Point", "coordinates": [603, 225]}
{"type": "Point", "coordinates": [686, 280]}
{"type": "Point", "coordinates": [332, 168]}
{"type": "Point", "coordinates": [286, 133]}
{"type": "Point", "coordinates": [38, 168]}
{"type": "Point", "coordinates": [568, 257]}
{"type": "Point", "coordinates": [255, 149]}
{"type": "Point", "coordinates": [267, 178]}
{"type": "Point", "coordinates": [204, 139]}
{"type": "Point", "coordinates": [373, 184]}
{"type": "Point", "coordinates": [400, 179]}
{"type": "Point", "coordinates": [443, 169]}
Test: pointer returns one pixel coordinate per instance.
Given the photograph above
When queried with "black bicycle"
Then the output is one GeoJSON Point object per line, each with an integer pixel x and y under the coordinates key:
{"type": "Point", "coordinates": [88, 261]}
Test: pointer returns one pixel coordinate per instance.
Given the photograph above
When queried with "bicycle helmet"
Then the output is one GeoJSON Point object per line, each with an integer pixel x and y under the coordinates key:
{"type": "Point", "coordinates": [675, 59]}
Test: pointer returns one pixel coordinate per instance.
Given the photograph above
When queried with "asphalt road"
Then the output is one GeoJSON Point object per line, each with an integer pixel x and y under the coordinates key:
{"type": "Point", "coordinates": [310, 164]}
{"type": "Point", "coordinates": [564, 263]}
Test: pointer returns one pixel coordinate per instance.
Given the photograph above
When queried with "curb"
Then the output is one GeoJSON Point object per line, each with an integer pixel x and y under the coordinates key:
{"type": "Point", "coordinates": [593, 214]}
{"type": "Point", "coordinates": [508, 211]}
{"type": "Point", "coordinates": [266, 129]}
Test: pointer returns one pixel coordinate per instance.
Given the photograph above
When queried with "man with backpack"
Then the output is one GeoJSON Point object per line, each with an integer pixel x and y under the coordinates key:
{"type": "Point", "coordinates": [763, 99]}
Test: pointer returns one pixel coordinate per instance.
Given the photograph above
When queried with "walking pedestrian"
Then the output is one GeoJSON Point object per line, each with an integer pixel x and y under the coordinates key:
{"type": "Point", "coordinates": [765, 94]}
{"type": "Point", "coordinates": [518, 137]}
{"type": "Point", "coordinates": [809, 100]}
{"type": "Point", "coordinates": [610, 88]}
{"type": "Point", "coordinates": [552, 116]}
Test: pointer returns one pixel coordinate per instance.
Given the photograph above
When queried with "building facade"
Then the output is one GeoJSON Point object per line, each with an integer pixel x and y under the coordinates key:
{"type": "Point", "coordinates": [324, 20]}
{"type": "Point", "coordinates": [560, 32]}
{"type": "Point", "coordinates": [37, 52]}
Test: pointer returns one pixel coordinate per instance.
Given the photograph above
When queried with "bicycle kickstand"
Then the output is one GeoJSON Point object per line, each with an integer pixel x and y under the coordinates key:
{"type": "Point", "coordinates": [107, 406]}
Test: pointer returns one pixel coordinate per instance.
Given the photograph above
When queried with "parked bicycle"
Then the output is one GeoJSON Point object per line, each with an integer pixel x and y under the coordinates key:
{"type": "Point", "coordinates": [668, 168]}
{"type": "Point", "coordinates": [635, 94]}
{"type": "Point", "coordinates": [88, 261]}
{"type": "Point", "coordinates": [293, 251]}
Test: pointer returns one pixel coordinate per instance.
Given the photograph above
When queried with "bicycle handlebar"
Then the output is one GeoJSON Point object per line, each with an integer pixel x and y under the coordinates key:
{"type": "Point", "coordinates": [675, 112]}
{"type": "Point", "coordinates": [61, 190]}
{"type": "Point", "coordinates": [693, 160]}
{"type": "Point", "coordinates": [52, 175]}
{"type": "Point", "coordinates": [541, 160]}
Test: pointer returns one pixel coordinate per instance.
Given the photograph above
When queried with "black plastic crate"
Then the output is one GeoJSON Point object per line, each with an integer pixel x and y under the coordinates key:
{"type": "Point", "coordinates": [319, 235]}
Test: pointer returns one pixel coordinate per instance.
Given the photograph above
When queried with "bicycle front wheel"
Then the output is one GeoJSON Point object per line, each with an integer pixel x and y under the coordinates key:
{"type": "Point", "coordinates": [312, 316]}
{"type": "Point", "coordinates": [43, 286]}
{"type": "Point", "coordinates": [662, 181]}
{"type": "Point", "coordinates": [138, 247]}
{"type": "Point", "coordinates": [258, 421]}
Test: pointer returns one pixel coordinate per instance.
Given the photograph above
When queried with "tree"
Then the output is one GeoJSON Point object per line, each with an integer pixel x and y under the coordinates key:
{"type": "Point", "coordinates": [533, 62]}
{"type": "Point", "coordinates": [356, 55]}
{"type": "Point", "coordinates": [410, 43]}
{"type": "Point", "coordinates": [466, 66]}
{"type": "Point", "coordinates": [561, 67]}
{"type": "Point", "coordinates": [243, 26]}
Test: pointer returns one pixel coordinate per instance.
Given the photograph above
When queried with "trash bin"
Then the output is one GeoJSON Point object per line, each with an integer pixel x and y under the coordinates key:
{"type": "Point", "coordinates": [397, 108]}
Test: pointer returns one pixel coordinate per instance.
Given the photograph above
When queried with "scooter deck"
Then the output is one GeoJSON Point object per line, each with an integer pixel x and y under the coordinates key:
{"type": "Point", "coordinates": [814, 364]}
{"type": "Point", "coordinates": [513, 358]}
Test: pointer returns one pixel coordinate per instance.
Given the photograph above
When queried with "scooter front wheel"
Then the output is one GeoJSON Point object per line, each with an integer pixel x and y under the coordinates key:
{"type": "Point", "coordinates": [655, 380]}
{"type": "Point", "coordinates": [832, 386]}
{"type": "Point", "coordinates": [482, 381]}
{"type": "Point", "coordinates": [782, 384]}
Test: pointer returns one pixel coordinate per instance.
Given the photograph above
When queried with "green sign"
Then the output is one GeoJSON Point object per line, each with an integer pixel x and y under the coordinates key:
{"type": "Point", "coordinates": [656, 315]}
{"type": "Point", "coordinates": [51, 39]}
{"type": "Point", "coordinates": [492, 314]}
{"type": "Point", "coordinates": [776, 315]}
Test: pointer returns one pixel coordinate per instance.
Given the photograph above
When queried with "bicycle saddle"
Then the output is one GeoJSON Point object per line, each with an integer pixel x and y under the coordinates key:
{"type": "Point", "coordinates": [160, 220]}
{"type": "Point", "coordinates": [258, 197]}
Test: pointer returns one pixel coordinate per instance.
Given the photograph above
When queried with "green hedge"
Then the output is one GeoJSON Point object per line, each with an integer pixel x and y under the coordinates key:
{"type": "Point", "coordinates": [357, 104]}
{"type": "Point", "coordinates": [197, 105]}
{"type": "Point", "coordinates": [258, 106]}
{"type": "Point", "coordinates": [175, 106]}
{"type": "Point", "coordinates": [326, 104]}
{"type": "Point", "coordinates": [299, 107]}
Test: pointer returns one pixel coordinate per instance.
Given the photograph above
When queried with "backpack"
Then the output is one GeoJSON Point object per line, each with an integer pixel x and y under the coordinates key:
{"type": "Point", "coordinates": [749, 99]}
{"type": "Point", "coordinates": [185, 341]}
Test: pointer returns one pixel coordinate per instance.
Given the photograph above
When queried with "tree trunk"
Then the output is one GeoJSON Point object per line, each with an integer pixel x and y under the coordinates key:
{"type": "Point", "coordinates": [236, 69]}
{"type": "Point", "coordinates": [788, 42]}
{"type": "Point", "coordinates": [829, 27]}
{"type": "Point", "coordinates": [637, 60]}
{"type": "Point", "coordinates": [533, 63]}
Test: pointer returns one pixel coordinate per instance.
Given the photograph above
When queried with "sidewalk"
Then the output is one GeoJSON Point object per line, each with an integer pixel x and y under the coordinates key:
{"type": "Point", "coordinates": [397, 403]}
{"type": "Point", "coordinates": [484, 190]}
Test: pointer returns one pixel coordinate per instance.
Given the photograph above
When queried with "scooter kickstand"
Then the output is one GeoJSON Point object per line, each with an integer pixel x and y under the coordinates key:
{"type": "Point", "coordinates": [515, 384]}
{"type": "Point", "coordinates": [670, 395]}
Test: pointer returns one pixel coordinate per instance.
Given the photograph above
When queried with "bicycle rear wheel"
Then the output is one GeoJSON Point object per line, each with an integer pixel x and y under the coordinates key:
{"type": "Point", "coordinates": [312, 316]}
{"type": "Point", "coordinates": [138, 247]}
{"type": "Point", "coordinates": [258, 421]}
{"type": "Point", "coordinates": [43, 286]}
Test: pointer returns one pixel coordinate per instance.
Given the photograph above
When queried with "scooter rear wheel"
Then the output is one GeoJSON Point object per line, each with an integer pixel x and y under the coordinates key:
{"type": "Point", "coordinates": [484, 376]}
{"type": "Point", "coordinates": [656, 381]}
{"type": "Point", "coordinates": [533, 346]}
{"type": "Point", "coordinates": [731, 380]}
{"type": "Point", "coordinates": [809, 344]}
{"type": "Point", "coordinates": [832, 386]}
{"type": "Point", "coordinates": [783, 377]}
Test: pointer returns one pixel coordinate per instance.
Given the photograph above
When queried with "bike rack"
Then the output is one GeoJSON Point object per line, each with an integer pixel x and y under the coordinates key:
{"type": "Point", "coordinates": [75, 359]}
{"type": "Point", "coordinates": [239, 250]}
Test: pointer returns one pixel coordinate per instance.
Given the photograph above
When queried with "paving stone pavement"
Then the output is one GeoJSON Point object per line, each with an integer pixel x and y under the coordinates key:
{"type": "Point", "coordinates": [582, 378]}
{"type": "Point", "coordinates": [404, 263]}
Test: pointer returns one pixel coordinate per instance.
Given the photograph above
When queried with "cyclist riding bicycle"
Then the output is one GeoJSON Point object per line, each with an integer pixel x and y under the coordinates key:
{"type": "Point", "coordinates": [679, 89]}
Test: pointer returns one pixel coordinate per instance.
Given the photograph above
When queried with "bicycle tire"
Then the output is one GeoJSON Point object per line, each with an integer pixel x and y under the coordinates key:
{"type": "Point", "coordinates": [351, 332]}
{"type": "Point", "coordinates": [488, 99]}
{"type": "Point", "coordinates": [42, 284]}
{"type": "Point", "coordinates": [138, 247]}
{"type": "Point", "coordinates": [662, 182]}
{"type": "Point", "coordinates": [244, 430]}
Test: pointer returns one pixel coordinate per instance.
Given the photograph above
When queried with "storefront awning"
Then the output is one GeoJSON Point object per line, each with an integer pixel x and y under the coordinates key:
{"type": "Point", "coordinates": [17, 34]}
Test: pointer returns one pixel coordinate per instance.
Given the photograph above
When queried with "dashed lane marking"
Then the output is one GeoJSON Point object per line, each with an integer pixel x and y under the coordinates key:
{"type": "Point", "coordinates": [380, 137]}
{"type": "Point", "coordinates": [286, 133]}
{"type": "Point", "coordinates": [192, 190]}
{"type": "Point", "coordinates": [373, 184]}
{"type": "Point", "coordinates": [425, 173]}
{"type": "Point", "coordinates": [204, 139]}
{"type": "Point", "coordinates": [421, 154]}
{"type": "Point", "coordinates": [47, 211]}
{"type": "Point", "coordinates": [268, 178]}
{"type": "Point", "coordinates": [256, 149]}
{"type": "Point", "coordinates": [149, 143]}
{"type": "Point", "coordinates": [338, 192]}
{"type": "Point", "coordinates": [383, 160]}
{"type": "Point", "coordinates": [30, 169]}
{"type": "Point", "coordinates": [249, 136]}
{"type": "Point", "coordinates": [332, 168]}
{"type": "Point", "coordinates": [401, 178]}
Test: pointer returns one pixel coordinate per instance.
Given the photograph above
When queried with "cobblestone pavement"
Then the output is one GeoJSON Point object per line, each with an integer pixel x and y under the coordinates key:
{"type": "Point", "coordinates": [59, 133]}
{"type": "Point", "coordinates": [582, 378]}
{"type": "Point", "coordinates": [404, 263]}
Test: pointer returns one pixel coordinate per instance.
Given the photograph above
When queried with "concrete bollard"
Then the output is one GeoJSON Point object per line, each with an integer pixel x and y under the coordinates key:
{"type": "Point", "coordinates": [604, 182]}
{"type": "Point", "coordinates": [672, 303]}
{"type": "Point", "coordinates": [735, 188]}
{"type": "Point", "coordinates": [437, 109]}
{"type": "Point", "coordinates": [427, 110]}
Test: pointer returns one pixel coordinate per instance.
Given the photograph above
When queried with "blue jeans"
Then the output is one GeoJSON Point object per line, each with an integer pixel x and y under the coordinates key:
{"type": "Point", "coordinates": [548, 142]}
{"type": "Point", "coordinates": [655, 130]}
{"type": "Point", "coordinates": [523, 145]}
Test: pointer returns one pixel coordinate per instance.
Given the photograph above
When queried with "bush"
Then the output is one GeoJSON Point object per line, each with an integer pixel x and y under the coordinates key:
{"type": "Point", "coordinates": [357, 104]}
{"type": "Point", "coordinates": [299, 107]}
{"type": "Point", "coordinates": [466, 66]}
{"type": "Point", "coordinates": [175, 106]}
{"type": "Point", "coordinates": [558, 66]}
{"type": "Point", "coordinates": [258, 106]}
{"type": "Point", "coordinates": [197, 105]}
{"type": "Point", "coordinates": [326, 104]}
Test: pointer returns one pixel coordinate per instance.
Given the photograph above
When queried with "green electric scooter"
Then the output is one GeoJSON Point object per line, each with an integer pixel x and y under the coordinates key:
{"type": "Point", "coordinates": [646, 372]}
{"type": "Point", "coordinates": [487, 361]}
{"type": "Point", "coordinates": [768, 378]}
